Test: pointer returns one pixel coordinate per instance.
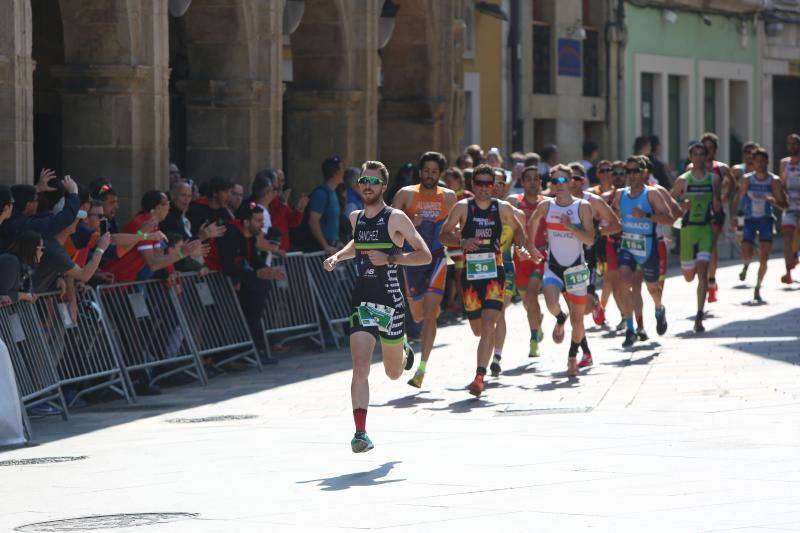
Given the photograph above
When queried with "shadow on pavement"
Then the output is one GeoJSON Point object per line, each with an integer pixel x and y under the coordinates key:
{"type": "Point", "coordinates": [290, 370]}
{"type": "Point", "coordinates": [359, 479]}
{"type": "Point", "coordinates": [465, 406]}
{"type": "Point", "coordinates": [628, 362]}
{"type": "Point", "coordinates": [781, 325]}
{"type": "Point", "coordinates": [412, 400]}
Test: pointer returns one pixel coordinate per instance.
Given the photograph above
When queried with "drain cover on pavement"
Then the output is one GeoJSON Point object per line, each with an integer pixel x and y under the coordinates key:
{"type": "Point", "coordinates": [527, 411]}
{"type": "Point", "coordinates": [219, 418]}
{"type": "Point", "coordinates": [110, 521]}
{"type": "Point", "coordinates": [42, 460]}
{"type": "Point", "coordinates": [134, 407]}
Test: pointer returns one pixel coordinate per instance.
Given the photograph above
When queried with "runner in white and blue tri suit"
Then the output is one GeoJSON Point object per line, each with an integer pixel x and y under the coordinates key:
{"type": "Point", "coordinates": [759, 191]}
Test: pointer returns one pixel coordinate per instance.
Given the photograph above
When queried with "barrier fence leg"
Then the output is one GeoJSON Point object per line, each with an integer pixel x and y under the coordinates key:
{"type": "Point", "coordinates": [26, 422]}
{"type": "Point", "coordinates": [198, 363]}
{"type": "Point", "coordinates": [116, 349]}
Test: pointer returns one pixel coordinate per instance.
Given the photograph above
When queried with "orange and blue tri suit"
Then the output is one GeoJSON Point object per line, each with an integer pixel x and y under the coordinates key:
{"type": "Point", "coordinates": [431, 208]}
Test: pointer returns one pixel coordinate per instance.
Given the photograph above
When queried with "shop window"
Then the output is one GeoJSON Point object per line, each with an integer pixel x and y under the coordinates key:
{"type": "Point", "coordinates": [591, 63]}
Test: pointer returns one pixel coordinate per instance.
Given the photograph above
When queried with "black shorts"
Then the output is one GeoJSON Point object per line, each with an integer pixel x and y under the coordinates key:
{"type": "Point", "coordinates": [483, 294]}
{"type": "Point", "coordinates": [718, 218]}
{"type": "Point", "coordinates": [372, 318]}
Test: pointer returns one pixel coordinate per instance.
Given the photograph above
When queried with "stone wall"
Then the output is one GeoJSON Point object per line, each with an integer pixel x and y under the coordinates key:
{"type": "Point", "coordinates": [127, 66]}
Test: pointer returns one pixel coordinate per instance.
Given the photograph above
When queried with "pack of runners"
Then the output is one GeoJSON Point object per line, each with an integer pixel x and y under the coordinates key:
{"type": "Point", "coordinates": [560, 237]}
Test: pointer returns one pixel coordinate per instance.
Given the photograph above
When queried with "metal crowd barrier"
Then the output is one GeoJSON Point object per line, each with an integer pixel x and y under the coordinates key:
{"type": "Point", "coordinates": [81, 349]}
{"type": "Point", "coordinates": [36, 376]}
{"type": "Point", "coordinates": [291, 305]}
{"type": "Point", "coordinates": [333, 291]}
{"type": "Point", "coordinates": [214, 318]}
{"type": "Point", "coordinates": [150, 333]}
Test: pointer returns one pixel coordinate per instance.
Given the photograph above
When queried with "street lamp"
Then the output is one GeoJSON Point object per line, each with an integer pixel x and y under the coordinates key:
{"type": "Point", "coordinates": [292, 15]}
{"type": "Point", "coordinates": [177, 8]}
{"type": "Point", "coordinates": [386, 23]}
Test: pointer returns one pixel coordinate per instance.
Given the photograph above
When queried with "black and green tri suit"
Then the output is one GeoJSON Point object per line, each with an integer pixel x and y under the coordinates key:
{"type": "Point", "coordinates": [377, 303]}
{"type": "Point", "coordinates": [697, 239]}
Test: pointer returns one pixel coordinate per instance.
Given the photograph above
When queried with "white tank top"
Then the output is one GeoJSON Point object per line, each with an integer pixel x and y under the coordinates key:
{"type": "Point", "coordinates": [563, 246]}
{"type": "Point", "coordinates": [793, 185]}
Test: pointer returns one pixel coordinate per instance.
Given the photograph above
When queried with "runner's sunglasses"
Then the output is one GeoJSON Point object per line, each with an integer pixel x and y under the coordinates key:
{"type": "Point", "coordinates": [370, 180]}
{"type": "Point", "coordinates": [482, 183]}
{"type": "Point", "coordinates": [560, 179]}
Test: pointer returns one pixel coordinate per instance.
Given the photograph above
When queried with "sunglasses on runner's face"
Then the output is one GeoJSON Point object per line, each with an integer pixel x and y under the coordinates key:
{"type": "Point", "coordinates": [370, 180]}
{"type": "Point", "coordinates": [632, 170]}
{"type": "Point", "coordinates": [619, 172]}
{"type": "Point", "coordinates": [603, 170]}
{"type": "Point", "coordinates": [560, 179]}
{"type": "Point", "coordinates": [482, 183]}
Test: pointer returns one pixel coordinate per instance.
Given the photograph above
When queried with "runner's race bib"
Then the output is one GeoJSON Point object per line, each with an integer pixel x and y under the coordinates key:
{"type": "Point", "coordinates": [577, 277]}
{"type": "Point", "coordinates": [376, 315]}
{"type": "Point", "coordinates": [481, 266]}
{"type": "Point", "coordinates": [636, 244]}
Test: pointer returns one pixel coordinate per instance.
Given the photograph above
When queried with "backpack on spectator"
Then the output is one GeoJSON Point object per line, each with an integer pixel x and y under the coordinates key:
{"type": "Point", "coordinates": [301, 237]}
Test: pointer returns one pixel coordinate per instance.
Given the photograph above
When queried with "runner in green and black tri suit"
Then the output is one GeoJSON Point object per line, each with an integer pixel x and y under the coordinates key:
{"type": "Point", "coordinates": [698, 192]}
{"type": "Point", "coordinates": [378, 305]}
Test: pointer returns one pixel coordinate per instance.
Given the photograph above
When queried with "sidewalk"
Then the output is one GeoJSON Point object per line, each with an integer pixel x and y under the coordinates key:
{"type": "Point", "coordinates": [683, 433]}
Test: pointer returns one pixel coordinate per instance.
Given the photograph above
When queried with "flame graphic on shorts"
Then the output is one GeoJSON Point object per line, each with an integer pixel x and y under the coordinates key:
{"type": "Point", "coordinates": [471, 300]}
{"type": "Point", "coordinates": [494, 291]}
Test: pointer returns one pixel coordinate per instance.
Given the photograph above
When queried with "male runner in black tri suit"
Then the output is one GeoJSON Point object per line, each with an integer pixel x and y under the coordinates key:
{"type": "Point", "coordinates": [377, 301]}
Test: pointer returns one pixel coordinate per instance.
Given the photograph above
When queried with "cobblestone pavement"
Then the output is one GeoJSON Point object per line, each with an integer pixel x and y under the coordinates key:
{"type": "Point", "coordinates": [683, 433]}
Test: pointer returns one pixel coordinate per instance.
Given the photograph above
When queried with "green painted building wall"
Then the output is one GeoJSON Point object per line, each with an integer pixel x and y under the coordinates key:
{"type": "Point", "coordinates": [688, 38]}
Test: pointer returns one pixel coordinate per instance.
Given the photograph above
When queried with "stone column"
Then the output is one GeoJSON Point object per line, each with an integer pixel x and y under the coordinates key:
{"type": "Point", "coordinates": [423, 102]}
{"type": "Point", "coordinates": [321, 124]}
{"type": "Point", "coordinates": [16, 92]}
{"type": "Point", "coordinates": [332, 100]}
{"type": "Point", "coordinates": [234, 93]}
{"type": "Point", "coordinates": [114, 95]}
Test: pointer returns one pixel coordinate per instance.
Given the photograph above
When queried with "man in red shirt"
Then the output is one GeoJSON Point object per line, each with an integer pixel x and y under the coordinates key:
{"type": "Point", "coordinates": [146, 257]}
{"type": "Point", "coordinates": [284, 217]}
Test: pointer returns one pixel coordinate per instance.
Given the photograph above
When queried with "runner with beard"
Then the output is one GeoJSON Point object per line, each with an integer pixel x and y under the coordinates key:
{"type": "Point", "coordinates": [606, 222]}
{"type": "Point", "coordinates": [427, 205]}
{"type": "Point", "coordinates": [721, 170]}
{"type": "Point", "coordinates": [570, 227]}
{"type": "Point", "coordinates": [790, 225]}
{"type": "Point", "coordinates": [377, 302]}
{"type": "Point", "coordinates": [737, 173]}
{"type": "Point", "coordinates": [510, 286]}
{"type": "Point", "coordinates": [611, 283]}
{"type": "Point", "coordinates": [641, 208]}
{"type": "Point", "coordinates": [759, 193]}
{"type": "Point", "coordinates": [528, 272]}
{"type": "Point", "coordinates": [481, 221]}
{"type": "Point", "coordinates": [698, 193]}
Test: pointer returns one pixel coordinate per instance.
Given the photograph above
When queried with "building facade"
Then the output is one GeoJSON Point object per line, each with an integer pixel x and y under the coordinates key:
{"type": "Point", "coordinates": [780, 75]}
{"type": "Point", "coordinates": [117, 88]}
{"type": "Point", "coordinates": [692, 67]}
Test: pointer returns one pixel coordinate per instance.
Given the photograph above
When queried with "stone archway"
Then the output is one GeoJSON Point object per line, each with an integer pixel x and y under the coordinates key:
{"type": "Point", "coordinates": [113, 94]}
{"type": "Point", "coordinates": [331, 102]}
{"type": "Point", "coordinates": [229, 84]}
{"type": "Point", "coordinates": [422, 81]}
{"type": "Point", "coordinates": [47, 51]}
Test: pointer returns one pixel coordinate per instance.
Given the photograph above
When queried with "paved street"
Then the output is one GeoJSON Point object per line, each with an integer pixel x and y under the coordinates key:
{"type": "Point", "coordinates": [684, 433]}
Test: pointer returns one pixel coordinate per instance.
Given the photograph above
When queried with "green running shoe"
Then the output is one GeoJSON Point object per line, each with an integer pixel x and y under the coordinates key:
{"type": "Point", "coordinates": [534, 351]}
{"type": "Point", "coordinates": [361, 443]}
{"type": "Point", "coordinates": [416, 381]}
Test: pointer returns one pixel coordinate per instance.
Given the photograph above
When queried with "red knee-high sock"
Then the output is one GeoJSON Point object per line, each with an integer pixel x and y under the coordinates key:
{"type": "Point", "coordinates": [360, 416]}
